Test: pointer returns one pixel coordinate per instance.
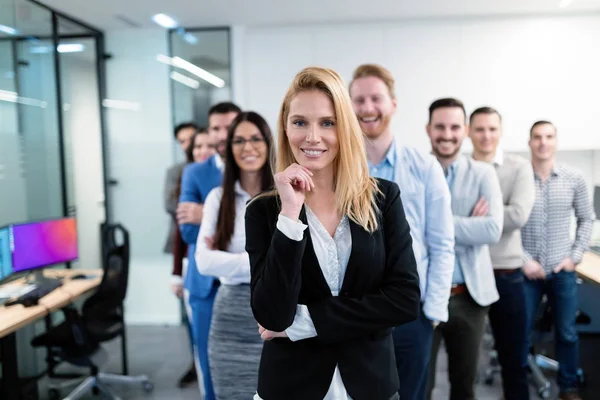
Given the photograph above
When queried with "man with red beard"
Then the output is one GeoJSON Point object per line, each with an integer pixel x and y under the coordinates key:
{"type": "Point", "coordinates": [426, 199]}
{"type": "Point", "coordinates": [478, 212]}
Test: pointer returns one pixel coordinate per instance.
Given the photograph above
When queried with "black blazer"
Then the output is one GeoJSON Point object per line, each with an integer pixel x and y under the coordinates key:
{"type": "Point", "coordinates": [380, 291]}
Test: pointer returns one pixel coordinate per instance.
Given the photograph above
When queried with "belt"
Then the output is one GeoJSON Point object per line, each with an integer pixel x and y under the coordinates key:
{"type": "Point", "coordinates": [458, 289]}
{"type": "Point", "coordinates": [506, 272]}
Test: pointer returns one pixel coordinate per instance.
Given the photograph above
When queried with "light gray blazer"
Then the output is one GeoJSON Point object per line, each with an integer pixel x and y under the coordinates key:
{"type": "Point", "coordinates": [472, 235]}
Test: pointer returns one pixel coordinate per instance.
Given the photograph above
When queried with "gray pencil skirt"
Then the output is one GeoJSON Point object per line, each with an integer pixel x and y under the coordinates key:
{"type": "Point", "coordinates": [234, 345]}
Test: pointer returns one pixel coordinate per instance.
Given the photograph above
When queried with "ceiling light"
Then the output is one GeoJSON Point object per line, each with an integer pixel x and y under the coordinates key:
{"type": "Point", "coordinates": [176, 76]}
{"type": "Point", "coordinates": [165, 21]}
{"type": "Point", "coordinates": [199, 72]}
{"type": "Point", "coordinates": [191, 39]}
{"type": "Point", "coordinates": [565, 3]}
{"type": "Point", "coordinates": [70, 48]}
{"type": "Point", "coordinates": [164, 59]}
{"type": "Point", "coordinates": [121, 104]}
{"type": "Point", "coordinates": [8, 30]}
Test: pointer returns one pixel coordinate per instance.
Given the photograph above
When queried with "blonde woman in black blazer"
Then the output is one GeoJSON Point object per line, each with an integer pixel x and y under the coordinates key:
{"type": "Point", "coordinates": [332, 265]}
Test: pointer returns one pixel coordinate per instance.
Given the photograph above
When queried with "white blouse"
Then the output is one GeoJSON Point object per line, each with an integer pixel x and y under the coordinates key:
{"type": "Point", "coordinates": [232, 267]}
{"type": "Point", "coordinates": [333, 255]}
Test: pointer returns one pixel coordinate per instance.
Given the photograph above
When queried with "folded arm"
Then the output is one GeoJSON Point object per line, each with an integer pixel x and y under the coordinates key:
{"type": "Point", "coordinates": [189, 193]}
{"type": "Point", "coordinates": [216, 262]}
{"type": "Point", "coordinates": [477, 231]}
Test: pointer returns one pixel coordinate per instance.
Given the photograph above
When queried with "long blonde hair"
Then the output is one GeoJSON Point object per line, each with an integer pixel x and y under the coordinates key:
{"type": "Point", "coordinates": [355, 190]}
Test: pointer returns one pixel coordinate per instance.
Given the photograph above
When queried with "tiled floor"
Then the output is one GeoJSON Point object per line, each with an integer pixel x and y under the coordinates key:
{"type": "Point", "coordinates": [162, 353]}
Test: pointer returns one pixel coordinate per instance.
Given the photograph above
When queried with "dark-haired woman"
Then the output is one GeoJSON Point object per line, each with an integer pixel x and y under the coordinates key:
{"type": "Point", "coordinates": [234, 347]}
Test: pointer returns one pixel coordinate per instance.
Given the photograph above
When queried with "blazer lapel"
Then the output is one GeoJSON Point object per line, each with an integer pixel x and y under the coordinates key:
{"type": "Point", "coordinates": [310, 262]}
{"type": "Point", "coordinates": [359, 239]}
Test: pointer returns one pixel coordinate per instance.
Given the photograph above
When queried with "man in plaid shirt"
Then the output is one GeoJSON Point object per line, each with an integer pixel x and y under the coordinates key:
{"type": "Point", "coordinates": [550, 254]}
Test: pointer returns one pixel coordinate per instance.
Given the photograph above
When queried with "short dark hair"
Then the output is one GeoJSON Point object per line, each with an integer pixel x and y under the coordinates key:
{"type": "Point", "coordinates": [538, 123]}
{"type": "Point", "coordinates": [484, 110]}
{"type": "Point", "coordinates": [184, 125]}
{"type": "Point", "coordinates": [224, 108]}
{"type": "Point", "coordinates": [445, 103]}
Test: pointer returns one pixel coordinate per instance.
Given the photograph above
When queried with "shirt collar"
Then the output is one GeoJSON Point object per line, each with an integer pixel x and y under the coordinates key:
{"type": "Point", "coordinates": [498, 157]}
{"type": "Point", "coordinates": [390, 156]}
{"type": "Point", "coordinates": [237, 188]}
{"type": "Point", "coordinates": [219, 162]}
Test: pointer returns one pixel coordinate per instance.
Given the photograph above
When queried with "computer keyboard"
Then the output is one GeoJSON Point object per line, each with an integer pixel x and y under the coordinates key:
{"type": "Point", "coordinates": [31, 298]}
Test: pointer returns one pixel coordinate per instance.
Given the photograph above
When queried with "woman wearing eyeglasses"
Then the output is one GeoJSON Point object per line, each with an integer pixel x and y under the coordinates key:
{"type": "Point", "coordinates": [234, 348]}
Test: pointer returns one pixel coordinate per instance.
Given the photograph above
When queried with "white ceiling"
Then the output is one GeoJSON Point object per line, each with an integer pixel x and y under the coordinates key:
{"type": "Point", "coordinates": [103, 14]}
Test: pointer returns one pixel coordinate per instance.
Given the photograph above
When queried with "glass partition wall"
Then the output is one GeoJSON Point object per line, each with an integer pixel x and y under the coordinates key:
{"type": "Point", "coordinates": [43, 56]}
{"type": "Point", "coordinates": [200, 73]}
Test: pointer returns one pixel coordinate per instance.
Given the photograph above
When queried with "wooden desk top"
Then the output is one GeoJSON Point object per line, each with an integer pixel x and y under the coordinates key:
{"type": "Point", "coordinates": [589, 267]}
{"type": "Point", "coordinates": [15, 317]}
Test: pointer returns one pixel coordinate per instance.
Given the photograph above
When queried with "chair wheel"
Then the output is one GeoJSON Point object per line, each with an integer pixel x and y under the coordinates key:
{"type": "Point", "coordinates": [147, 386]}
{"type": "Point", "coordinates": [581, 377]}
{"type": "Point", "coordinates": [95, 390]}
{"type": "Point", "coordinates": [53, 394]}
{"type": "Point", "coordinates": [544, 393]}
{"type": "Point", "coordinates": [489, 380]}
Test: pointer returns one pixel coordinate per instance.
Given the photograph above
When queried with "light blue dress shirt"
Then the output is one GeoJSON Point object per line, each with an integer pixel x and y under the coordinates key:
{"type": "Point", "coordinates": [426, 201]}
{"type": "Point", "coordinates": [386, 168]}
{"type": "Point", "coordinates": [457, 276]}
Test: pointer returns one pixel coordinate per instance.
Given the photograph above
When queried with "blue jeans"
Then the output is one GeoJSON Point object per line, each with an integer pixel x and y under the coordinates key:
{"type": "Point", "coordinates": [412, 345]}
{"type": "Point", "coordinates": [561, 289]}
{"type": "Point", "coordinates": [508, 319]}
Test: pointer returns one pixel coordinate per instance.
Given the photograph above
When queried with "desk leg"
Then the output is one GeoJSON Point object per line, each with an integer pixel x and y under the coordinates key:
{"type": "Point", "coordinates": [10, 368]}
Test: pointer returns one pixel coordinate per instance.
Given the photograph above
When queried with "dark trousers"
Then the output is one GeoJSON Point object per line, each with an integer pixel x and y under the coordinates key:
{"type": "Point", "coordinates": [412, 345]}
{"type": "Point", "coordinates": [462, 336]}
{"type": "Point", "coordinates": [561, 289]}
{"type": "Point", "coordinates": [508, 319]}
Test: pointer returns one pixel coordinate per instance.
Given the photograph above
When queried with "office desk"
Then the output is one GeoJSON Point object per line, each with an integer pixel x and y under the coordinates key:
{"type": "Point", "coordinates": [15, 317]}
{"type": "Point", "coordinates": [589, 267]}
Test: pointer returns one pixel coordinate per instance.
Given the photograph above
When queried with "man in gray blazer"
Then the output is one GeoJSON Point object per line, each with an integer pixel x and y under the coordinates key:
{"type": "Point", "coordinates": [478, 218]}
{"type": "Point", "coordinates": [183, 134]}
{"type": "Point", "coordinates": [508, 316]}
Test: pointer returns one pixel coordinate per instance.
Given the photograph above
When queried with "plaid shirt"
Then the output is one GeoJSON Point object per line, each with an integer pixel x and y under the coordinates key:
{"type": "Point", "coordinates": [546, 237]}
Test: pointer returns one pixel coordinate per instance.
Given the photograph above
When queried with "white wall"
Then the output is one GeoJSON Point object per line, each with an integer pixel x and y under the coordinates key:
{"type": "Point", "coordinates": [140, 144]}
{"type": "Point", "coordinates": [528, 68]}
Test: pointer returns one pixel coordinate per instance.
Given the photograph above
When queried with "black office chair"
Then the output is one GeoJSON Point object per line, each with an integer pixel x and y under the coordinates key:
{"type": "Point", "coordinates": [77, 340]}
{"type": "Point", "coordinates": [537, 362]}
{"type": "Point", "coordinates": [543, 333]}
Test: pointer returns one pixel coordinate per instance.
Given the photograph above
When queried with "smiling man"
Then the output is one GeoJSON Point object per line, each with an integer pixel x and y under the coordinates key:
{"type": "Point", "coordinates": [550, 254]}
{"type": "Point", "coordinates": [478, 219]}
{"type": "Point", "coordinates": [516, 182]}
{"type": "Point", "coordinates": [426, 199]}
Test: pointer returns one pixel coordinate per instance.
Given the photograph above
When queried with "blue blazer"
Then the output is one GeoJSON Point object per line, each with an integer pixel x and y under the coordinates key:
{"type": "Point", "coordinates": [196, 183]}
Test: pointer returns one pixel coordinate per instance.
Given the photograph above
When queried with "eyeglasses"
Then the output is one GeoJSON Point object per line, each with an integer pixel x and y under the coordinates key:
{"type": "Point", "coordinates": [255, 141]}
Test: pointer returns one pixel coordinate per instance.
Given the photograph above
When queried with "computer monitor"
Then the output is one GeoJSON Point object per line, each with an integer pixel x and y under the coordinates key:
{"type": "Point", "coordinates": [5, 253]}
{"type": "Point", "coordinates": [597, 201]}
{"type": "Point", "coordinates": [42, 244]}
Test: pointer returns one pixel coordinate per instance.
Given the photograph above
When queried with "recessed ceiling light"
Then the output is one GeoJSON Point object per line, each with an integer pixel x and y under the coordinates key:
{"type": "Point", "coordinates": [70, 48]}
{"type": "Point", "coordinates": [8, 29]}
{"type": "Point", "coordinates": [165, 21]}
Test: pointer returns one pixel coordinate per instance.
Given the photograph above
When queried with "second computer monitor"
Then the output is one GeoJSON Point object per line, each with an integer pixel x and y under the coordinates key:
{"type": "Point", "coordinates": [41, 244]}
{"type": "Point", "coordinates": [5, 253]}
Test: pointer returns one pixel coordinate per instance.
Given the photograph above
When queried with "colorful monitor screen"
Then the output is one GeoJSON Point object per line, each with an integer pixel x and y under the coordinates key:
{"type": "Point", "coordinates": [45, 243]}
{"type": "Point", "coordinates": [5, 256]}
